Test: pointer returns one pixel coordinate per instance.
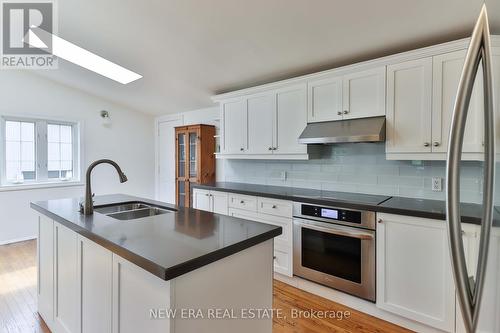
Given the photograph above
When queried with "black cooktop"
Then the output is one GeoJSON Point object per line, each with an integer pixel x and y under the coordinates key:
{"type": "Point", "coordinates": [358, 198]}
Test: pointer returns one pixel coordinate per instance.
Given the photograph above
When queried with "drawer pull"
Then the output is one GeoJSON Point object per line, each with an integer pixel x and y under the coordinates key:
{"type": "Point", "coordinates": [274, 206]}
{"type": "Point", "coordinates": [242, 201]}
{"type": "Point", "coordinates": [274, 257]}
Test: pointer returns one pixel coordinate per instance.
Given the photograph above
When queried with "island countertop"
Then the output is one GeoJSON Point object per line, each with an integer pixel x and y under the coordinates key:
{"type": "Point", "coordinates": [166, 245]}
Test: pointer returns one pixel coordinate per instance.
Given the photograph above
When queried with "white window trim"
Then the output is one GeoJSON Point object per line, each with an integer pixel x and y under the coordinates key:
{"type": "Point", "coordinates": [42, 180]}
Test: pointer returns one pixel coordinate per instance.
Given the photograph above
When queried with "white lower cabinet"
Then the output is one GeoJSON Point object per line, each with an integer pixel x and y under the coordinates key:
{"type": "Point", "coordinates": [66, 280]}
{"type": "Point", "coordinates": [135, 293]}
{"type": "Point", "coordinates": [45, 256]}
{"type": "Point", "coordinates": [96, 286]}
{"type": "Point", "coordinates": [282, 244]}
{"type": "Point", "coordinates": [414, 275]}
{"type": "Point", "coordinates": [210, 201]}
{"type": "Point", "coordinates": [85, 288]}
{"type": "Point", "coordinates": [201, 200]}
{"type": "Point", "coordinates": [489, 321]}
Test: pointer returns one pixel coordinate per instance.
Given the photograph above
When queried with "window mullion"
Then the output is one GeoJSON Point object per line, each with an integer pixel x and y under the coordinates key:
{"type": "Point", "coordinates": [41, 151]}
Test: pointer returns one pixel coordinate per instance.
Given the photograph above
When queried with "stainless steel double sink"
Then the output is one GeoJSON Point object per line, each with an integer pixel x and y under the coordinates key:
{"type": "Point", "coordinates": [131, 210]}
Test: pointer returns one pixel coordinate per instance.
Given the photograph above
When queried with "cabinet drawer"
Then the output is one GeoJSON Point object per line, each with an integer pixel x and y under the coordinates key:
{"type": "Point", "coordinates": [274, 207]}
{"type": "Point", "coordinates": [286, 224]}
{"type": "Point", "coordinates": [244, 202]}
{"type": "Point", "coordinates": [282, 261]}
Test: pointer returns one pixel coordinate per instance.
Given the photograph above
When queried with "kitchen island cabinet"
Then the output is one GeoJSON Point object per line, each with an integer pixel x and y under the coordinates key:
{"type": "Point", "coordinates": [151, 274]}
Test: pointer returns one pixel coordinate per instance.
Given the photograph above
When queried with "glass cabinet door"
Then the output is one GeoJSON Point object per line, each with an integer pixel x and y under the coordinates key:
{"type": "Point", "coordinates": [181, 151]}
{"type": "Point", "coordinates": [181, 193]}
{"type": "Point", "coordinates": [193, 137]}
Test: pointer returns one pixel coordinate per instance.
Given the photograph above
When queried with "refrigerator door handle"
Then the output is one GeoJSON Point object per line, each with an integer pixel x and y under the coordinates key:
{"type": "Point", "coordinates": [479, 50]}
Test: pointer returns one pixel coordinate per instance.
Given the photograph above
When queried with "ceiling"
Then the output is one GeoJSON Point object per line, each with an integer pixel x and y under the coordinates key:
{"type": "Point", "coordinates": [189, 50]}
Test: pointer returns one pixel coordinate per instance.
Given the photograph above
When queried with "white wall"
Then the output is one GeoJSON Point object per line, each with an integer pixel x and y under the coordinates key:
{"type": "Point", "coordinates": [129, 141]}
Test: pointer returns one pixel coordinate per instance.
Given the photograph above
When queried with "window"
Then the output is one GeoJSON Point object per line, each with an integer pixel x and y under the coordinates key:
{"type": "Point", "coordinates": [60, 151]}
{"type": "Point", "coordinates": [37, 151]}
{"type": "Point", "coordinates": [19, 151]}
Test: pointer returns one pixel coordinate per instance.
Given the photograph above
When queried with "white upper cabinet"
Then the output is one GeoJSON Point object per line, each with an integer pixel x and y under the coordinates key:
{"type": "Point", "coordinates": [265, 125]}
{"type": "Point", "coordinates": [261, 123]}
{"type": "Point", "coordinates": [358, 94]}
{"type": "Point", "coordinates": [409, 102]}
{"type": "Point", "coordinates": [364, 94]}
{"type": "Point", "coordinates": [447, 69]}
{"type": "Point", "coordinates": [325, 100]}
{"type": "Point", "coordinates": [234, 117]}
{"type": "Point", "coordinates": [415, 90]}
{"type": "Point", "coordinates": [291, 119]}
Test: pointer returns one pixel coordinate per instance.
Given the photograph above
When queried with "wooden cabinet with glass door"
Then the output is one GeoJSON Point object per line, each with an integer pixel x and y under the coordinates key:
{"type": "Point", "coordinates": [194, 159]}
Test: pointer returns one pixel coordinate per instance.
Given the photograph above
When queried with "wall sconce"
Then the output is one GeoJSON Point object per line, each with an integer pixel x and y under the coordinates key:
{"type": "Point", "coordinates": [106, 120]}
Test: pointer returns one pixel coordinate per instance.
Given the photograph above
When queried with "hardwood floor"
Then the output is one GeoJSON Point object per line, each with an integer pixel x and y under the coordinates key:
{"type": "Point", "coordinates": [18, 289]}
{"type": "Point", "coordinates": [18, 302]}
{"type": "Point", "coordinates": [288, 299]}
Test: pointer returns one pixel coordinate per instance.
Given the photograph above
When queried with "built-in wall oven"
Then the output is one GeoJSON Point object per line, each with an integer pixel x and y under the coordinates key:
{"type": "Point", "coordinates": [335, 247]}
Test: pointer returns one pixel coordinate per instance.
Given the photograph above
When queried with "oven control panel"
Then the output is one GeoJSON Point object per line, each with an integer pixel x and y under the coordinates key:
{"type": "Point", "coordinates": [344, 215]}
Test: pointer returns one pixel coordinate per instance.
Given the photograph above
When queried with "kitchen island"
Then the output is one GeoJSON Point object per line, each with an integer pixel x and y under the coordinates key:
{"type": "Point", "coordinates": [140, 265]}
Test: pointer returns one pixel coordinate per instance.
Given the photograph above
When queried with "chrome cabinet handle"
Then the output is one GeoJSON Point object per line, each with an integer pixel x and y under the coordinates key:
{"type": "Point", "coordinates": [426, 144]}
{"type": "Point", "coordinates": [436, 144]}
{"type": "Point", "coordinates": [339, 113]}
{"type": "Point", "coordinates": [479, 49]}
{"type": "Point", "coordinates": [346, 111]}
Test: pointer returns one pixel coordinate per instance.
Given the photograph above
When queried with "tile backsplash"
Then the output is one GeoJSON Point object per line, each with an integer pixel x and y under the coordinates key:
{"type": "Point", "coordinates": [360, 168]}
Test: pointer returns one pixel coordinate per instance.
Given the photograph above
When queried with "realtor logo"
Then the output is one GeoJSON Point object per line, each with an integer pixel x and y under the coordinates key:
{"type": "Point", "coordinates": [19, 22]}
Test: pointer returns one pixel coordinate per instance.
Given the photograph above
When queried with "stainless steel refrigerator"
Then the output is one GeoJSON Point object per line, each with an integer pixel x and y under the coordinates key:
{"type": "Point", "coordinates": [478, 293]}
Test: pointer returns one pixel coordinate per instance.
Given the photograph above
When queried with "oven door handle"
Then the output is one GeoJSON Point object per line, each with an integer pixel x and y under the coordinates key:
{"type": "Point", "coordinates": [336, 230]}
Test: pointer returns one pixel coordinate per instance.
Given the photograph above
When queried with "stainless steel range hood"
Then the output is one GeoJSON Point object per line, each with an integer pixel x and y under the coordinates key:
{"type": "Point", "coordinates": [352, 130]}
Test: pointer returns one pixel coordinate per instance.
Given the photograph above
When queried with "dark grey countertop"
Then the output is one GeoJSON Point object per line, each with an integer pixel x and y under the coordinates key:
{"type": "Point", "coordinates": [433, 209]}
{"type": "Point", "coordinates": [166, 245]}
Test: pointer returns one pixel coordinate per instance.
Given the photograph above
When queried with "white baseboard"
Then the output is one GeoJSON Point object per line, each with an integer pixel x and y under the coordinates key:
{"type": "Point", "coordinates": [16, 240]}
{"type": "Point", "coordinates": [354, 303]}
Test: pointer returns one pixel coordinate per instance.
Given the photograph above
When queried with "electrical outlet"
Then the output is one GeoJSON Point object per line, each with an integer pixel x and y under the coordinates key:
{"type": "Point", "coordinates": [437, 184]}
{"type": "Point", "coordinates": [283, 175]}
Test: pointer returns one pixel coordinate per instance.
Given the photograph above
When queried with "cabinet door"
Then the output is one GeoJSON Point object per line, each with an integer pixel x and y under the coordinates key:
{"type": "Point", "coordinates": [96, 269]}
{"type": "Point", "coordinates": [414, 277]}
{"type": "Point", "coordinates": [447, 69]}
{"type": "Point", "coordinates": [291, 119]}
{"type": "Point", "coordinates": [409, 102]}
{"type": "Point", "coordinates": [181, 169]}
{"type": "Point", "coordinates": [282, 244]}
{"type": "Point", "coordinates": [234, 126]}
{"type": "Point", "coordinates": [135, 293]}
{"type": "Point", "coordinates": [219, 202]}
{"type": "Point", "coordinates": [201, 200]}
{"type": "Point", "coordinates": [325, 100]}
{"type": "Point", "coordinates": [261, 123]}
{"type": "Point", "coordinates": [364, 94]}
{"type": "Point", "coordinates": [67, 282]}
{"type": "Point", "coordinates": [193, 151]}
{"type": "Point", "coordinates": [45, 246]}
{"type": "Point", "coordinates": [183, 193]}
